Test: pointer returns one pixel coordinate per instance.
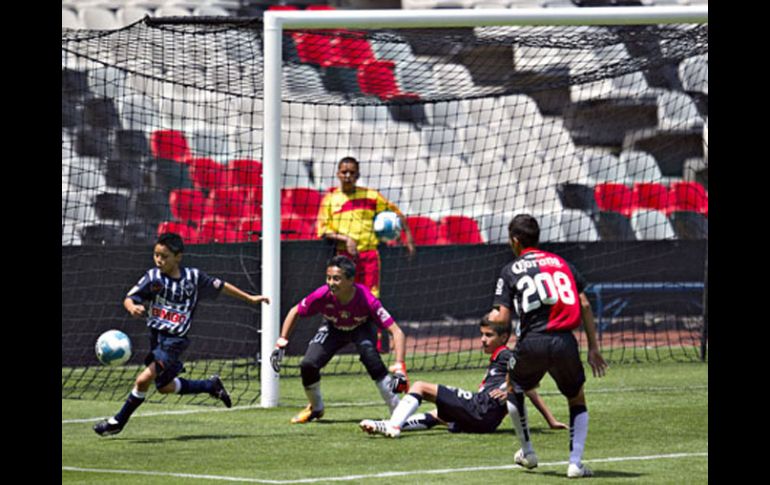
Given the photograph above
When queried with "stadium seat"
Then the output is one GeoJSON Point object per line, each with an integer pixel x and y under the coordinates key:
{"type": "Point", "coordinates": [206, 174]}
{"type": "Point", "coordinates": [349, 49]}
{"type": "Point", "coordinates": [188, 233]}
{"type": "Point", "coordinates": [694, 73]}
{"type": "Point", "coordinates": [640, 166]}
{"type": "Point", "coordinates": [303, 201]}
{"type": "Point", "coordinates": [74, 84]}
{"type": "Point", "coordinates": [605, 168]}
{"type": "Point", "coordinates": [425, 230]}
{"type": "Point", "coordinates": [170, 10]}
{"type": "Point", "coordinates": [677, 111]}
{"type": "Point", "coordinates": [152, 206]}
{"type": "Point", "coordinates": [249, 229]}
{"type": "Point", "coordinates": [98, 18]}
{"type": "Point", "coordinates": [123, 174]}
{"type": "Point", "coordinates": [614, 197]}
{"type": "Point", "coordinates": [209, 142]}
{"type": "Point", "coordinates": [688, 196]}
{"type": "Point", "coordinates": [577, 226]}
{"type": "Point", "coordinates": [170, 144]}
{"type": "Point", "coordinates": [377, 77]}
{"type": "Point", "coordinates": [218, 230]}
{"type": "Point", "coordinates": [101, 235]}
{"type": "Point", "coordinates": [651, 195]}
{"type": "Point", "coordinates": [130, 145]}
{"type": "Point", "coordinates": [689, 225]}
{"type": "Point", "coordinates": [139, 112]}
{"type": "Point", "coordinates": [92, 142]}
{"type": "Point", "coordinates": [188, 205]}
{"type": "Point", "coordinates": [314, 48]}
{"type": "Point", "coordinates": [210, 11]}
{"type": "Point", "coordinates": [651, 225]}
{"type": "Point", "coordinates": [169, 174]}
{"type": "Point", "coordinates": [550, 227]}
{"type": "Point", "coordinates": [245, 172]}
{"type": "Point", "coordinates": [233, 202]}
{"type": "Point", "coordinates": [613, 226]}
{"type": "Point", "coordinates": [69, 20]}
{"type": "Point", "coordinates": [294, 227]}
{"type": "Point", "coordinates": [140, 233]}
{"type": "Point", "coordinates": [578, 196]}
{"type": "Point", "coordinates": [459, 230]}
{"type": "Point", "coordinates": [129, 14]}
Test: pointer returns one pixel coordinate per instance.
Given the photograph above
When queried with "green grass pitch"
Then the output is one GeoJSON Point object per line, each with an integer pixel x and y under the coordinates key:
{"type": "Point", "coordinates": [648, 424]}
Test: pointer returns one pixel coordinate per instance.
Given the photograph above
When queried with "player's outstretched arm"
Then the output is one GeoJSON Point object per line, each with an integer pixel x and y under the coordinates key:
{"type": "Point", "coordinates": [544, 410]}
{"type": "Point", "coordinates": [595, 359]}
{"type": "Point", "coordinates": [399, 341]}
{"type": "Point", "coordinates": [134, 309]}
{"type": "Point", "coordinates": [283, 339]}
{"type": "Point", "coordinates": [235, 292]}
{"type": "Point", "coordinates": [407, 238]}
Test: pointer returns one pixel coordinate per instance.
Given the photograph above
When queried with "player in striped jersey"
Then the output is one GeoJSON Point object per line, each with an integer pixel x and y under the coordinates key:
{"type": "Point", "coordinates": [461, 410]}
{"type": "Point", "coordinates": [548, 295]}
{"type": "Point", "coordinates": [167, 295]}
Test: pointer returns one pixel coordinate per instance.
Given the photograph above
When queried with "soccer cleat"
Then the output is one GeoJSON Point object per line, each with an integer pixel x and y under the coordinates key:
{"type": "Point", "coordinates": [528, 461]}
{"type": "Point", "coordinates": [379, 427]}
{"type": "Point", "coordinates": [307, 415]}
{"type": "Point", "coordinates": [578, 471]}
{"type": "Point", "coordinates": [105, 428]}
{"type": "Point", "coordinates": [219, 391]}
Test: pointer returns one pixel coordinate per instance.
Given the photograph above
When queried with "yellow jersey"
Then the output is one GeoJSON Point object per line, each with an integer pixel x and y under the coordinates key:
{"type": "Point", "coordinates": [353, 215]}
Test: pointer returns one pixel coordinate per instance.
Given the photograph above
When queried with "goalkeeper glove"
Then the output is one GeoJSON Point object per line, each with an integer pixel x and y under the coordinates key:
{"type": "Point", "coordinates": [277, 356]}
{"type": "Point", "coordinates": [399, 379]}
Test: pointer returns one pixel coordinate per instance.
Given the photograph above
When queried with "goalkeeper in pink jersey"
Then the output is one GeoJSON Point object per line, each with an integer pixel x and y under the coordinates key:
{"type": "Point", "coordinates": [351, 313]}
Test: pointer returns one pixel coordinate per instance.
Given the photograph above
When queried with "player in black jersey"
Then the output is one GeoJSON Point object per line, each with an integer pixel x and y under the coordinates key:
{"type": "Point", "coordinates": [548, 296]}
{"type": "Point", "coordinates": [460, 410]}
{"type": "Point", "coordinates": [172, 293]}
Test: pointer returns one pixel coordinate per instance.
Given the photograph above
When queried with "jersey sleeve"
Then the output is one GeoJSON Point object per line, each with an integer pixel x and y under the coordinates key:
{"type": "Point", "coordinates": [209, 287]}
{"type": "Point", "coordinates": [311, 304]}
{"type": "Point", "coordinates": [142, 290]}
{"type": "Point", "coordinates": [378, 313]}
{"type": "Point", "coordinates": [504, 292]}
{"type": "Point", "coordinates": [383, 204]}
{"type": "Point", "coordinates": [580, 282]}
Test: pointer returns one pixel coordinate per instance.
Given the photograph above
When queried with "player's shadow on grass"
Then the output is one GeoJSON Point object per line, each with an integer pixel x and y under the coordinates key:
{"type": "Point", "coordinates": [597, 473]}
{"type": "Point", "coordinates": [184, 438]}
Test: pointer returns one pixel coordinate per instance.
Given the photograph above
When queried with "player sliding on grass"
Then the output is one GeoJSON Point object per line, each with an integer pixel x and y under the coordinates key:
{"type": "Point", "coordinates": [461, 410]}
{"type": "Point", "coordinates": [351, 314]}
{"type": "Point", "coordinates": [172, 292]}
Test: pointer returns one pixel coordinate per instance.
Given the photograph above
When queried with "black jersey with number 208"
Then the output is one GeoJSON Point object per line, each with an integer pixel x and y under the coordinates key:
{"type": "Point", "coordinates": [543, 289]}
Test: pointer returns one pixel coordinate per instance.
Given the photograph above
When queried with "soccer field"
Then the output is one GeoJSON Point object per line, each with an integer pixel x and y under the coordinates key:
{"type": "Point", "coordinates": [649, 424]}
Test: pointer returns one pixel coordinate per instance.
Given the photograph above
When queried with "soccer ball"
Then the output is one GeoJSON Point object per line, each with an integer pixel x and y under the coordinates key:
{"type": "Point", "coordinates": [113, 347]}
{"type": "Point", "coordinates": [387, 226]}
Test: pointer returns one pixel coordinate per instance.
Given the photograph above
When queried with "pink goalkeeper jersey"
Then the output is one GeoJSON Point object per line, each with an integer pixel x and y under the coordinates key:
{"type": "Point", "coordinates": [362, 308]}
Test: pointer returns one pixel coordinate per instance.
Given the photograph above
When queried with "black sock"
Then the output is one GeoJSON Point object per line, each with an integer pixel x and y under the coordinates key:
{"type": "Point", "coordinates": [132, 402]}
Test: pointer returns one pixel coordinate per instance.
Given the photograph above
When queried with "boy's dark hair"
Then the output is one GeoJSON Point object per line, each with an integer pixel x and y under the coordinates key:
{"type": "Point", "coordinates": [525, 228]}
{"type": "Point", "coordinates": [172, 241]}
{"type": "Point", "coordinates": [345, 264]}
{"type": "Point", "coordinates": [496, 327]}
{"type": "Point", "coordinates": [348, 160]}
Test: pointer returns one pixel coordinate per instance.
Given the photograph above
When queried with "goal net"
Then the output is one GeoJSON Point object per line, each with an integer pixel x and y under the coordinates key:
{"type": "Point", "coordinates": [600, 132]}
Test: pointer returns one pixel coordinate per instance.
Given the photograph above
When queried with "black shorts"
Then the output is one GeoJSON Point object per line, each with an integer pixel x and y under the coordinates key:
{"type": "Point", "coordinates": [328, 340]}
{"type": "Point", "coordinates": [557, 354]}
{"type": "Point", "coordinates": [166, 351]}
{"type": "Point", "coordinates": [469, 412]}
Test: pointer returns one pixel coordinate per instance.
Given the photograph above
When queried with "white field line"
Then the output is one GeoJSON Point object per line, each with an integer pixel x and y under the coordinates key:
{"type": "Point", "coordinates": [371, 403]}
{"type": "Point", "coordinates": [443, 471]}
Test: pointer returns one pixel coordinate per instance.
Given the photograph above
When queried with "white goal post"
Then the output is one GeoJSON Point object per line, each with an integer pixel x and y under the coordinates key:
{"type": "Point", "coordinates": [275, 22]}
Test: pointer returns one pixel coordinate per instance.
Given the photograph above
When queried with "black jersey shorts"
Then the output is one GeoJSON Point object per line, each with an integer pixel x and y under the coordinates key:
{"type": "Point", "coordinates": [166, 351]}
{"type": "Point", "coordinates": [469, 412]}
{"type": "Point", "coordinates": [555, 353]}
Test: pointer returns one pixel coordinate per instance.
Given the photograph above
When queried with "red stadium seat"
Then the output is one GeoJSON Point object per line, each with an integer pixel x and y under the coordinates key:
{"type": "Point", "coordinates": [218, 230]}
{"type": "Point", "coordinates": [614, 197]}
{"type": "Point", "coordinates": [425, 231]}
{"type": "Point", "coordinates": [459, 230]}
{"type": "Point", "coordinates": [207, 174]}
{"type": "Point", "coordinates": [233, 202]}
{"type": "Point", "coordinates": [313, 48]}
{"type": "Point", "coordinates": [303, 201]}
{"type": "Point", "coordinates": [170, 144]}
{"type": "Point", "coordinates": [294, 227]}
{"type": "Point", "coordinates": [187, 205]}
{"type": "Point", "coordinates": [377, 77]}
{"type": "Point", "coordinates": [245, 172]}
{"type": "Point", "coordinates": [188, 233]}
{"type": "Point", "coordinates": [249, 229]}
{"type": "Point", "coordinates": [689, 196]}
{"type": "Point", "coordinates": [651, 195]}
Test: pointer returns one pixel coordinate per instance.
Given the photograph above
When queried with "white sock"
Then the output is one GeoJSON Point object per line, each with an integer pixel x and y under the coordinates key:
{"type": "Point", "coordinates": [519, 421]}
{"type": "Point", "coordinates": [138, 394]}
{"type": "Point", "coordinates": [313, 393]}
{"type": "Point", "coordinates": [415, 422]}
{"type": "Point", "coordinates": [578, 432]}
{"type": "Point", "coordinates": [177, 385]}
{"type": "Point", "coordinates": [405, 408]}
{"type": "Point", "coordinates": [390, 398]}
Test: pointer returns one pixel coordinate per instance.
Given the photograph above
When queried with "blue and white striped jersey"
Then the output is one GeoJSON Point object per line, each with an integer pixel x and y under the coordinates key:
{"type": "Point", "coordinates": [173, 300]}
